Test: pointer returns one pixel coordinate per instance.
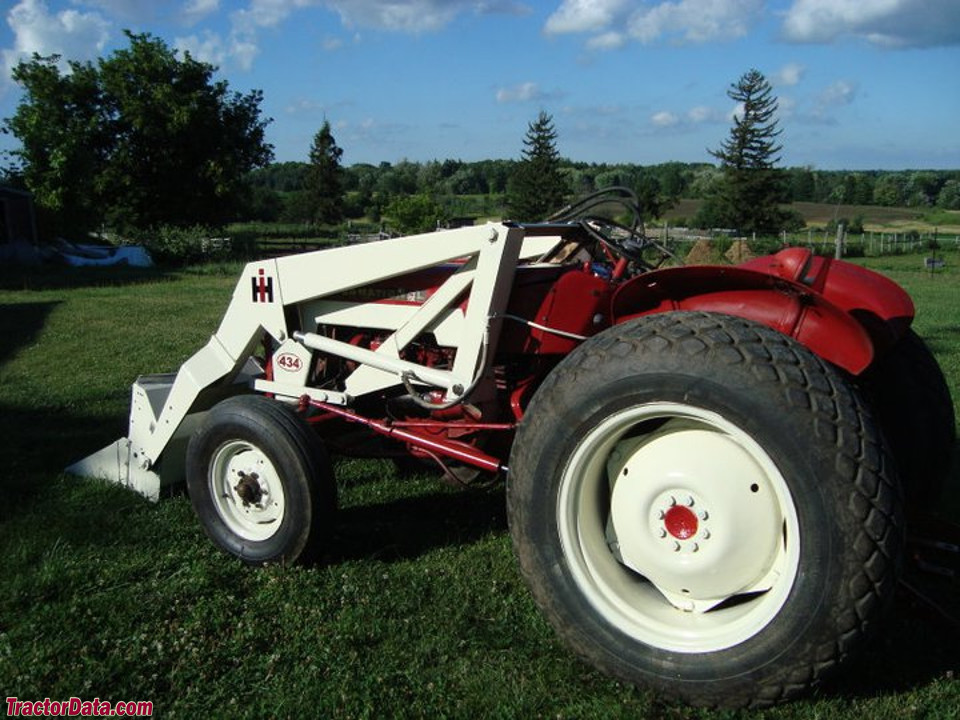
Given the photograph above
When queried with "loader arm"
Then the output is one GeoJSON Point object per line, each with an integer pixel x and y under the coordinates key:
{"type": "Point", "coordinates": [272, 294]}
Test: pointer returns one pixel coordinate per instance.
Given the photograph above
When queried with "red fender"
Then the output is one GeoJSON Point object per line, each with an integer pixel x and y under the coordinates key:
{"type": "Point", "coordinates": [842, 312]}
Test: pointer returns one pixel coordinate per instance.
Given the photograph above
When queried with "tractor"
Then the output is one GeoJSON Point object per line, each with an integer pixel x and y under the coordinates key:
{"type": "Point", "coordinates": [709, 469]}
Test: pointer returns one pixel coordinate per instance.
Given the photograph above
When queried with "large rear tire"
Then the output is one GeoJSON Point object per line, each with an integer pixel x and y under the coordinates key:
{"type": "Point", "coordinates": [702, 506]}
{"type": "Point", "coordinates": [913, 402]}
{"type": "Point", "coordinates": [260, 482]}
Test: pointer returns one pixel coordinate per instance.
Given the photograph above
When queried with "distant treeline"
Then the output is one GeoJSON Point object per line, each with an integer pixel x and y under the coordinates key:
{"type": "Point", "coordinates": [369, 188]}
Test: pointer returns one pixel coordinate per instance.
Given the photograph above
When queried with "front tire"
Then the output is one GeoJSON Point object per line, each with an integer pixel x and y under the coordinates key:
{"type": "Point", "coordinates": [260, 482]}
{"type": "Point", "coordinates": [702, 506]}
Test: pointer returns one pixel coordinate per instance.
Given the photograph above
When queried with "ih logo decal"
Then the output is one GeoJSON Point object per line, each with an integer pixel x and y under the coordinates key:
{"type": "Point", "coordinates": [262, 287]}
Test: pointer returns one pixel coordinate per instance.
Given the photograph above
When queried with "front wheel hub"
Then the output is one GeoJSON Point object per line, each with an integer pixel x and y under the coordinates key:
{"type": "Point", "coordinates": [246, 490]}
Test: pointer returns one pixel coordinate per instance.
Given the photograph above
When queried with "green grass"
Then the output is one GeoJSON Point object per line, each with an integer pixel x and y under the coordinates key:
{"type": "Point", "coordinates": [417, 609]}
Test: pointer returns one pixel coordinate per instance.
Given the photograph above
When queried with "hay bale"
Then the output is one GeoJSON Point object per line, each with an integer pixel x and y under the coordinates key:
{"type": "Point", "coordinates": [703, 252]}
{"type": "Point", "coordinates": [739, 252]}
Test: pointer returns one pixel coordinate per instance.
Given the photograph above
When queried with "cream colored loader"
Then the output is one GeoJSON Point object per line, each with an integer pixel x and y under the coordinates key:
{"type": "Point", "coordinates": [165, 408]}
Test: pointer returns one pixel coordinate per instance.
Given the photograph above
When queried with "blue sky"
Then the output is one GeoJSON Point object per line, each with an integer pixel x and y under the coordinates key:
{"type": "Point", "coordinates": [862, 84]}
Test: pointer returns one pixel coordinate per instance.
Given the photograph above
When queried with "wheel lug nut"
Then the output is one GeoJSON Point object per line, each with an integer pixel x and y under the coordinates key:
{"type": "Point", "coordinates": [705, 534]}
{"type": "Point", "coordinates": [690, 501]}
{"type": "Point", "coordinates": [704, 515]}
{"type": "Point", "coordinates": [663, 533]}
{"type": "Point", "coordinates": [673, 501]}
{"type": "Point", "coordinates": [676, 546]}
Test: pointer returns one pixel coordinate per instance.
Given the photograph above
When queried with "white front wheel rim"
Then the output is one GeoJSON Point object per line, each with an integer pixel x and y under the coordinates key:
{"type": "Point", "coordinates": [678, 527]}
{"type": "Point", "coordinates": [246, 490]}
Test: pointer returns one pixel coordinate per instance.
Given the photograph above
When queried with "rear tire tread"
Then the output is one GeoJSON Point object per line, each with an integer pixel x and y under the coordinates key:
{"type": "Point", "coordinates": [841, 418]}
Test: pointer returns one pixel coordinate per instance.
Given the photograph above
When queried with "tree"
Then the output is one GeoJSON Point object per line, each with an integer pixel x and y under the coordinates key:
{"type": "Point", "coordinates": [536, 188]}
{"type": "Point", "coordinates": [64, 143]}
{"type": "Point", "coordinates": [949, 197]}
{"type": "Point", "coordinates": [752, 187]}
{"type": "Point", "coordinates": [415, 214]}
{"type": "Point", "coordinates": [890, 190]}
{"type": "Point", "coordinates": [325, 177]}
{"type": "Point", "coordinates": [141, 139]}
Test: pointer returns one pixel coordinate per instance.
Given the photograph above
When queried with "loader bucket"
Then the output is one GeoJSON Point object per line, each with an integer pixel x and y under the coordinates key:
{"type": "Point", "coordinates": [117, 463]}
{"type": "Point", "coordinates": [122, 461]}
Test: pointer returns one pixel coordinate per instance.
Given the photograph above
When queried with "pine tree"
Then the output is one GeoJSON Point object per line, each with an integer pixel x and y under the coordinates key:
{"type": "Point", "coordinates": [536, 188]}
{"type": "Point", "coordinates": [752, 187]}
{"type": "Point", "coordinates": [324, 181]}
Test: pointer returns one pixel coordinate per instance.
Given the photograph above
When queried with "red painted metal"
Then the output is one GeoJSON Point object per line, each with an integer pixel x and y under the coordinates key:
{"type": "Point", "coordinates": [840, 311]}
{"type": "Point", "coordinates": [883, 308]}
{"type": "Point", "coordinates": [408, 433]}
{"type": "Point", "coordinates": [680, 522]}
{"type": "Point", "coordinates": [576, 302]}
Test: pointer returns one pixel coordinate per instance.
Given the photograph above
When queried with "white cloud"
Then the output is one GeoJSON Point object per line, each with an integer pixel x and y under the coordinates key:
{"type": "Point", "coordinates": [695, 21]}
{"type": "Point", "coordinates": [703, 114]}
{"type": "Point", "coordinates": [72, 34]}
{"type": "Point", "coordinates": [416, 16]}
{"type": "Point", "coordinates": [243, 51]}
{"type": "Point", "coordinates": [891, 23]}
{"type": "Point", "coordinates": [305, 105]}
{"type": "Point", "coordinates": [239, 50]}
{"type": "Point", "coordinates": [838, 94]}
{"type": "Point", "coordinates": [128, 11]}
{"type": "Point", "coordinates": [607, 41]}
{"type": "Point", "coordinates": [786, 107]}
{"type": "Point", "coordinates": [265, 14]}
{"type": "Point", "coordinates": [680, 21]}
{"type": "Point", "coordinates": [580, 16]}
{"type": "Point", "coordinates": [524, 92]}
{"type": "Point", "coordinates": [208, 48]}
{"type": "Point", "coordinates": [789, 75]}
{"type": "Point", "coordinates": [822, 108]}
{"type": "Point", "coordinates": [196, 10]}
{"type": "Point", "coordinates": [664, 119]}
{"type": "Point", "coordinates": [330, 43]}
{"type": "Point", "coordinates": [693, 117]}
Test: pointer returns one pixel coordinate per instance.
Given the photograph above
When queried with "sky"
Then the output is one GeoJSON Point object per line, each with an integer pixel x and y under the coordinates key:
{"type": "Point", "coordinates": [861, 84]}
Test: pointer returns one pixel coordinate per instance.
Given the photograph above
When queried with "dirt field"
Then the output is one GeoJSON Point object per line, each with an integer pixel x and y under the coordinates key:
{"type": "Point", "coordinates": [876, 218]}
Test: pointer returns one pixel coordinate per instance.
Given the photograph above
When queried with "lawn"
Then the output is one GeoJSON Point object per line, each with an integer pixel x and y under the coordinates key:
{"type": "Point", "coordinates": [417, 608]}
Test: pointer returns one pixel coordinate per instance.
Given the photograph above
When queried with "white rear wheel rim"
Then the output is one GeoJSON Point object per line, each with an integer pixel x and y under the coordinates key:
{"type": "Point", "coordinates": [696, 546]}
{"type": "Point", "coordinates": [246, 490]}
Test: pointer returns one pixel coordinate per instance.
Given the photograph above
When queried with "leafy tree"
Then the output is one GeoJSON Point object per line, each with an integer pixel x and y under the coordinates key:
{"type": "Point", "coordinates": [753, 187]}
{"type": "Point", "coordinates": [889, 190]}
{"type": "Point", "coordinates": [857, 189]}
{"type": "Point", "coordinates": [415, 214]}
{"type": "Point", "coordinates": [536, 188]}
{"type": "Point", "coordinates": [324, 179]}
{"type": "Point", "coordinates": [802, 184]}
{"type": "Point", "coordinates": [139, 140]}
{"type": "Point", "coordinates": [949, 197]}
{"type": "Point", "coordinates": [923, 188]}
{"type": "Point", "coordinates": [64, 142]}
{"type": "Point", "coordinates": [283, 177]}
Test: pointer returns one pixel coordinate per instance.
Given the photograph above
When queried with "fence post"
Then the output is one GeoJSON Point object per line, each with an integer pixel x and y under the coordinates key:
{"type": "Point", "coordinates": [838, 250]}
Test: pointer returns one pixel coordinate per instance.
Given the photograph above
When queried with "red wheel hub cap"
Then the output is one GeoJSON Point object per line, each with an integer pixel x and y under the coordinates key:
{"type": "Point", "coordinates": [681, 522]}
